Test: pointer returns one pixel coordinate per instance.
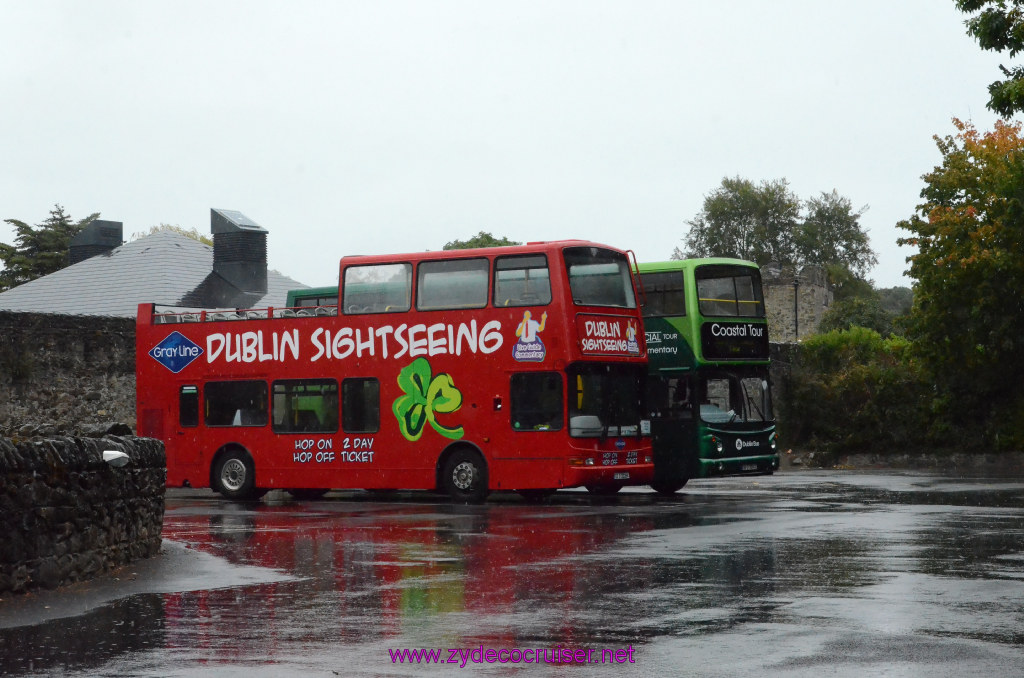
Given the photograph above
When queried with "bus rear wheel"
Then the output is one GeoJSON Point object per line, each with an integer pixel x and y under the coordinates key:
{"type": "Point", "coordinates": [234, 476]}
{"type": "Point", "coordinates": [464, 476]}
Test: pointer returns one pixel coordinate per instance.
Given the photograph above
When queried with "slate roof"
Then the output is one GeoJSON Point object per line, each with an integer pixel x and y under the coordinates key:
{"type": "Point", "coordinates": [165, 268]}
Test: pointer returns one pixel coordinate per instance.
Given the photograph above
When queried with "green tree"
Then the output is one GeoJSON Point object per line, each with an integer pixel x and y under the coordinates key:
{"type": "Point", "coordinates": [747, 221]}
{"type": "Point", "coordinates": [39, 250]}
{"type": "Point", "coordinates": [998, 25]}
{"type": "Point", "coordinates": [481, 239]}
{"type": "Point", "coordinates": [830, 233]}
{"type": "Point", "coordinates": [768, 222]}
{"type": "Point", "coordinates": [861, 311]}
{"type": "Point", "coordinates": [967, 321]}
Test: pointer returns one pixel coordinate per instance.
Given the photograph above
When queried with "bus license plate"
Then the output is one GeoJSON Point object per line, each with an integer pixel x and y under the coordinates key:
{"type": "Point", "coordinates": [749, 467]}
{"type": "Point", "coordinates": [621, 476]}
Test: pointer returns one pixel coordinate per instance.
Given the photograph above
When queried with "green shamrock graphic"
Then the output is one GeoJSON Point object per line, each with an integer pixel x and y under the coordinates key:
{"type": "Point", "coordinates": [424, 398]}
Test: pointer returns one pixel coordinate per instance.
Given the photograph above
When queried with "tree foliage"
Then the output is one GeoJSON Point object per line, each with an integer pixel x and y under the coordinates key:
{"type": "Point", "coordinates": [852, 390]}
{"type": "Point", "coordinates": [998, 25]}
{"type": "Point", "coordinates": [968, 317]}
{"type": "Point", "coordinates": [744, 220]}
{"type": "Point", "coordinates": [39, 250]}
{"type": "Point", "coordinates": [768, 222]}
{"type": "Point", "coordinates": [181, 230]}
{"type": "Point", "coordinates": [481, 239]}
{"type": "Point", "coordinates": [830, 234]}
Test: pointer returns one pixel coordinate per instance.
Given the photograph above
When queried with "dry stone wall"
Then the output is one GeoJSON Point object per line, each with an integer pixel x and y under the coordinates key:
{"type": "Point", "coordinates": [66, 375]}
{"type": "Point", "coordinates": [67, 515]}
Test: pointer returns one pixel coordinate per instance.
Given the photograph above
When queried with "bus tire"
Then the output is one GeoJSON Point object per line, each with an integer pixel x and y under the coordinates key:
{"type": "Point", "coordinates": [234, 475]}
{"type": "Point", "coordinates": [666, 488]}
{"type": "Point", "coordinates": [603, 490]}
{"type": "Point", "coordinates": [464, 476]}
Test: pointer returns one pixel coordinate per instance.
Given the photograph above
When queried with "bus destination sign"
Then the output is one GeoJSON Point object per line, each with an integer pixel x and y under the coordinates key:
{"type": "Point", "coordinates": [607, 335]}
{"type": "Point", "coordinates": [734, 341]}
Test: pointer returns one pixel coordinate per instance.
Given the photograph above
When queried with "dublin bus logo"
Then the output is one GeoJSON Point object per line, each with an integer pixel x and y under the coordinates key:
{"type": "Point", "coordinates": [175, 352]}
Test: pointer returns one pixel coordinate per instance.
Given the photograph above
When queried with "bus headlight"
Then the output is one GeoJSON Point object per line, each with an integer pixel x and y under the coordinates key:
{"type": "Point", "coordinates": [577, 461]}
{"type": "Point", "coordinates": [775, 441]}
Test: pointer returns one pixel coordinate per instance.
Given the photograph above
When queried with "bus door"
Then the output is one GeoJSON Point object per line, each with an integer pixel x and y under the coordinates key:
{"type": "Point", "coordinates": [670, 399]}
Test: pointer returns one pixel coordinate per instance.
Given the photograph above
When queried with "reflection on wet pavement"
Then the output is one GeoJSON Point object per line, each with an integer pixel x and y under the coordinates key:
{"type": "Point", "coordinates": [796, 574]}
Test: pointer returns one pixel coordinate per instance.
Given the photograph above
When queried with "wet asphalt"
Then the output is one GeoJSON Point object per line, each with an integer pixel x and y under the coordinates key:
{"type": "Point", "coordinates": [799, 574]}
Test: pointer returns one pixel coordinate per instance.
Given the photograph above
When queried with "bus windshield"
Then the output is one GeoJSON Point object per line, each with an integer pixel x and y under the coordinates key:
{"type": "Point", "coordinates": [599, 277]}
{"type": "Point", "coordinates": [729, 291]}
{"type": "Point", "coordinates": [605, 400]}
{"type": "Point", "coordinates": [735, 396]}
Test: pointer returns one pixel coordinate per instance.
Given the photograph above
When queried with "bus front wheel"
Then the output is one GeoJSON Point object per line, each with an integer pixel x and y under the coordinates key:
{"type": "Point", "coordinates": [234, 475]}
{"type": "Point", "coordinates": [668, 488]}
{"type": "Point", "coordinates": [603, 490]}
{"type": "Point", "coordinates": [464, 476]}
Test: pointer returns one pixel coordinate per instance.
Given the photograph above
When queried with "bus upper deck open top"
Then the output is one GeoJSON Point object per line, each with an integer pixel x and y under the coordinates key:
{"type": "Point", "coordinates": [707, 342]}
{"type": "Point", "coordinates": [513, 368]}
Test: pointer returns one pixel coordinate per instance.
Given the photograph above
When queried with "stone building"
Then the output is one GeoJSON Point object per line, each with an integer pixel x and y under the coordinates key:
{"type": "Point", "coordinates": [795, 300]}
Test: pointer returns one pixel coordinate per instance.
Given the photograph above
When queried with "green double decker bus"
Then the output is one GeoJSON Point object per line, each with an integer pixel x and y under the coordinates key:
{"type": "Point", "coordinates": [708, 384]}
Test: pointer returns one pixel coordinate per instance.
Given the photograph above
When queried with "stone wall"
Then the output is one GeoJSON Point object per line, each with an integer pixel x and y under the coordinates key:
{"type": "Point", "coordinates": [794, 311]}
{"type": "Point", "coordinates": [64, 374]}
{"type": "Point", "coordinates": [66, 515]}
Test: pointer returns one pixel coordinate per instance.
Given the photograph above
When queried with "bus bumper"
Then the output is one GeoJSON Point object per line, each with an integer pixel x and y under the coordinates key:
{"type": "Point", "coordinates": [607, 476]}
{"type": "Point", "coordinates": [737, 466]}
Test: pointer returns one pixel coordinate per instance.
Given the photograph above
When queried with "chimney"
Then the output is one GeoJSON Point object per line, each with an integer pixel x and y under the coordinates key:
{"type": "Point", "coordinates": [239, 251]}
{"type": "Point", "coordinates": [99, 237]}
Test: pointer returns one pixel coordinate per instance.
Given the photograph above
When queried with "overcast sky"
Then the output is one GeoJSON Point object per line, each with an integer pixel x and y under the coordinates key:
{"type": "Point", "coordinates": [369, 127]}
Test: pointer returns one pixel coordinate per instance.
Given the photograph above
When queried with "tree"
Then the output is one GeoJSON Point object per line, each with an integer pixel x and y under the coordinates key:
{"type": "Point", "coordinates": [967, 322]}
{"type": "Point", "coordinates": [181, 230]}
{"type": "Point", "coordinates": [768, 222]}
{"type": "Point", "coordinates": [862, 311]}
{"type": "Point", "coordinates": [481, 239]}
{"type": "Point", "coordinates": [999, 26]}
{"type": "Point", "coordinates": [747, 221]}
{"type": "Point", "coordinates": [39, 250]}
{"type": "Point", "coordinates": [831, 234]}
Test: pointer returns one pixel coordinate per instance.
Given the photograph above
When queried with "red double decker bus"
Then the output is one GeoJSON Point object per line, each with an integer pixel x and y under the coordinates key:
{"type": "Point", "coordinates": [511, 368]}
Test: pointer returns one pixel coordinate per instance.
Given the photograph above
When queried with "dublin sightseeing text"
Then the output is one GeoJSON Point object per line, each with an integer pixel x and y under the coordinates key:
{"type": "Point", "coordinates": [386, 341]}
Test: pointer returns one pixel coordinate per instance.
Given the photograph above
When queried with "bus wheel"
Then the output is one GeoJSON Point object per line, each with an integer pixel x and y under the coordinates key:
{"type": "Point", "coordinates": [667, 488]}
{"type": "Point", "coordinates": [307, 494]}
{"type": "Point", "coordinates": [536, 495]}
{"type": "Point", "coordinates": [464, 476]}
{"type": "Point", "coordinates": [603, 490]}
{"type": "Point", "coordinates": [234, 476]}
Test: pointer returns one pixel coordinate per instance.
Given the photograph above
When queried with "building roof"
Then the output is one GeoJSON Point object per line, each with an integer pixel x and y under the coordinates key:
{"type": "Point", "coordinates": [165, 268]}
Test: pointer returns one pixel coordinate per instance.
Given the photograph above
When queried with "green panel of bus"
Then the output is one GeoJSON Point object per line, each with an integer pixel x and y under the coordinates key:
{"type": "Point", "coordinates": [511, 368]}
{"type": "Point", "coordinates": [708, 392]}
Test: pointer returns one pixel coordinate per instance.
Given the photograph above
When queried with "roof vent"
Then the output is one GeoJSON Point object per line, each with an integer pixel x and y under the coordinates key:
{"type": "Point", "coordinates": [98, 237]}
{"type": "Point", "coordinates": [239, 250]}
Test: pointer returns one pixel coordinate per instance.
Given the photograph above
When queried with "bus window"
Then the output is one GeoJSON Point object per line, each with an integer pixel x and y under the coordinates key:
{"type": "Point", "coordinates": [536, 401]}
{"type": "Point", "coordinates": [725, 291]}
{"type": "Point", "coordinates": [666, 293]}
{"type": "Point", "coordinates": [382, 288]}
{"type": "Point", "coordinates": [608, 400]}
{"type": "Point", "coordinates": [458, 283]}
{"type": "Point", "coordinates": [599, 277]}
{"type": "Point", "coordinates": [522, 281]}
{"type": "Point", "coordinates": [360, 405]}
{"type": "Point", "coordinates": [235, 403]}
{"type": "Point", "coordinates": [188, 406]}
{"type": "Point", "coordinates": [305, 405]}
